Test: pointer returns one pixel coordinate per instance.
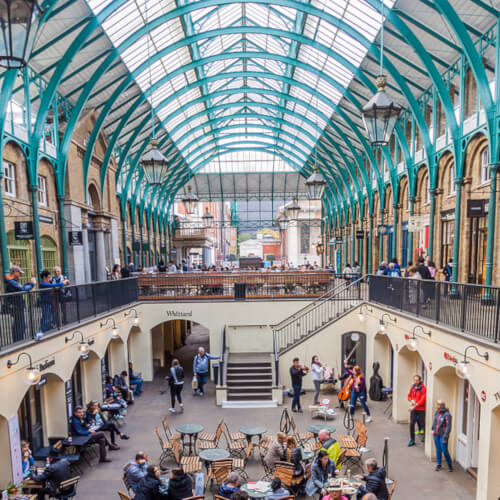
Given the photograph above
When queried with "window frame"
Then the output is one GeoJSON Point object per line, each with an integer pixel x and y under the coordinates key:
{"type": "Point", "coordinates": [485, 171]}
{"type": "Point", "coordinates": [42, 195]}
{"type": "Point", "coordinates": [9, 178]}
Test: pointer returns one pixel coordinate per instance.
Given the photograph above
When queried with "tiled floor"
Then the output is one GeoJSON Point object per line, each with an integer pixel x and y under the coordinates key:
{"type": "Point", "coordinates": [415, 474]}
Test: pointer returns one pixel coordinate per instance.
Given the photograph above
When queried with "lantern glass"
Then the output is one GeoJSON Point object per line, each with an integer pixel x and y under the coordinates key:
{"type": "Point", "coordinates": [115, 333]}
{"type": "Point", "coordinates": [155, 165]}
{"type": "Point", "coordinates": [208, 219]}
{"type": "Point", "coordinates": [462, 369]}
{"type": "Point", "coordinates": [19, 22]}
{"type": "Point", "coordinates": [32, 376]}
{"type": "Point", "coordinates": [83, 347]}
{"type": "Point", "coordinates": [411, 343]}
{"type": "Point", "coordinates": [190, 201]}
{"type": "Point", "coordinates": [361, 317]}
{"type": "Point", "coordinates": [136, 321]}
{"type": "Point", "coordinates": [293, 209]}
{"type": "Point", "coordinates": [283, 222]}
{"type": "Point", "coordinates": [380, 115]}
{"type": "Point", "coordinates": [315, 185]}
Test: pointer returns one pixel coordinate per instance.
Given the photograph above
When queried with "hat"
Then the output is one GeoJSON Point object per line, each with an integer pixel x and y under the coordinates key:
{"type": "Point", "coordinates": [334, 488]}
{"type": "Point", "coordinates": [13, 269]}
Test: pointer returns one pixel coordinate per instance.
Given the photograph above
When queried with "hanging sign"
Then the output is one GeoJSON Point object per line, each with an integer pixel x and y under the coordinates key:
{"type": "Point", "coordinates": [68, 389]}
{"type": "Point", "coordinates": [338, 239]}
{"type": "Point", "coordinates": [23, 230]}
{"type": "Point", "coordinates": [476, 208]}
{"type": "Point", "coordinates": [15, 450]}
{"type": "Point", "coordinates": [360, 235]}
{"type": "Point", "coordinates": [47, 220]}
{"type": "Point", "coordinates": [415, 223]}
{"type": "Point", "coordinates": [383, 229]}
{"type": "Point", "coordinates": [75, 238]}
{"type": "Point", "coordinates": [136, 246]}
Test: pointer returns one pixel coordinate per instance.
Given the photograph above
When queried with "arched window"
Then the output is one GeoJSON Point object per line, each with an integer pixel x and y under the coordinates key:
{"type": "Point", "coordinates": [19, 255]}
{"type": "Point", "coordinates": [49, 252]}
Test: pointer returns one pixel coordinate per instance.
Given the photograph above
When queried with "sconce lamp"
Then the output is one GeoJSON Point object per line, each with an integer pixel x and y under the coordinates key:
{"type": "Point", "coordinates": [114, 331]}
{"type": "Point", "coordinates": [31, 374]}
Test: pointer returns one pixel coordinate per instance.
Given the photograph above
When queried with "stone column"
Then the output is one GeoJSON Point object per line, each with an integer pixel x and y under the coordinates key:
{"type": "Point", "coordinates": [293, 243]}
{"type": "Point", "coordinates": [86, 257]}
{"type": "Point", "coordinates": [100, 252]}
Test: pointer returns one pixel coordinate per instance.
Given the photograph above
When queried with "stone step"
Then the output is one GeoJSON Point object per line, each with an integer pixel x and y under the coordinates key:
{"type": "Point", "coordinates": [249, 383]}
{"type": "Point", "coordinates": [250, 388]}
{"type": "Point", "coordinates": [249, 369]}
{"type": "Point", "coordinates": [240, 364]}
{"type": "Point", "coordinates": [246, 396]}
{"type": "Point", "coordinates": [256, 403]}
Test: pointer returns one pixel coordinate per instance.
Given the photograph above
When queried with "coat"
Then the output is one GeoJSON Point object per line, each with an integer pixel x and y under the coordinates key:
{"type": "Point", "coordinates": [418, 394]}
{"type": "Point", "coordinates": [149, 489]}
{"type": "Point", "coordinates": [54, 474]}
{"type": "Point", "coordinates": [319, 476]}
{"type": "Point", "coordinates": [135, 473]}
{"type": "Point", "coordinates": [275, 453]}
{"type": "Point", "coordinates": [441, 426]}
{"type": "Point", "coordinates": [375, 483]}
{"type": "Point", "coordinates": [180, 487]}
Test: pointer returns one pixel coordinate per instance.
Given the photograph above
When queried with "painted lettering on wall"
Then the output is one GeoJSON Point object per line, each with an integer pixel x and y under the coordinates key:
{"type": "Point", "coordinates": [497, 395]}
{"type": "Point", "coordinates": [46, 364]}
{"type": "Point", "coordinates": [179, 314]}
{"type": "Point", "coordinates": [450, 357]}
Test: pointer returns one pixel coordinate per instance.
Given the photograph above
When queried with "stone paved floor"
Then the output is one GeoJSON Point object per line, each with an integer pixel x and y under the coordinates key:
{"type": "Point", "coordinates": [414, 473]}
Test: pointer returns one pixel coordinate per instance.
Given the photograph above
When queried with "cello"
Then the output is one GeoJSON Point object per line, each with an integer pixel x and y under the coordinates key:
{"type": "Point", "coordinates": [345, 392]}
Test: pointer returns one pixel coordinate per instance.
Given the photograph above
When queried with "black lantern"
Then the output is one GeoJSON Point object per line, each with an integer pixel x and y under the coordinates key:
{"type": "Point", "coordinates": [315, 185]}
{"type": "Point", "coordinates": [208, 219]}
{"type": "Point", "coordinates": [380, 114]}
{"type": "Point", "coordinates": [20, 20]}
{"type": "Point", "coordinates": [154, 164]}
{"type": "Point", "coordinates": [190, 201]}
{"type": "Point", "coordinates": [293, 209]}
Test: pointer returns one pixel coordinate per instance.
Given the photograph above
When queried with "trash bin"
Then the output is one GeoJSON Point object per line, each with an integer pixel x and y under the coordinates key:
{"type": "Point", "coordinates": [240, 291]}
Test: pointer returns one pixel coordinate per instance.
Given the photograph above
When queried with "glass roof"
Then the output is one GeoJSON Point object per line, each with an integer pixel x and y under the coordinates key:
{"type": "Point", "coordinates": [243, 81]}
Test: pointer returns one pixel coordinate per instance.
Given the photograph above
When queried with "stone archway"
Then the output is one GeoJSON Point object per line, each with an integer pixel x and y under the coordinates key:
{"type": "Point", "coordinates": [383, 353]}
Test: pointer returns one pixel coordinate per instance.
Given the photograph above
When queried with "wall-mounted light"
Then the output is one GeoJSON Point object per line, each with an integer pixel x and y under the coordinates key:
{"type": "Point", "coordinates": [383, 326]}
{"type": "Point", "coordinates": [462, 367]}
{"type": "Point", "coordinates": [115, 333]}
{"type": "Point", "coordinates": [135, 319]}
{"type": "Point", "coordinates": [360, 313]}
{"type": "Point", "coordinates": [31, 374]}
{"type": "Point", "coordinates": [412, 342]}
{"type": "Point", "coordinates": [83, 346]}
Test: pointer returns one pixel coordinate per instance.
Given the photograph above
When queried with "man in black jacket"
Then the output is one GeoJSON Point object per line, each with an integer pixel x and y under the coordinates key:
{"type": "Point", "coordinates": [296, 373]}
{"type": "Point", "coordinates": [54, 474]}
{"type": "Point", "coordinates": [375, 481]}
{"type": "Point", "coordinates": [180, 485]}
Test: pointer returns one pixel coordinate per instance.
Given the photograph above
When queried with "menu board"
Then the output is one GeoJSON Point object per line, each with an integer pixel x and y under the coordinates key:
{"type": "Point", "coordinates": [15, 450]}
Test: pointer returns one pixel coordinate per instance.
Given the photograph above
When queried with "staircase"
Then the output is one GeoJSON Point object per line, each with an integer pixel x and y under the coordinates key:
{"type": "Point", "coordinates": [249, 380]}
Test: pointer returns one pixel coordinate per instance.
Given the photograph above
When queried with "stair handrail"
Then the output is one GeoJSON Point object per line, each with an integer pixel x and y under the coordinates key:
{"type": "Point", "coordinates": [322, 298]}
{"type": "Point", "coordinates": [222, 356]}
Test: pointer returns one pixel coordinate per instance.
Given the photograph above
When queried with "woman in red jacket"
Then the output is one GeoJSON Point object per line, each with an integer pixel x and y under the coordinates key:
{"type": "Point", "coordinates": [417, 396]}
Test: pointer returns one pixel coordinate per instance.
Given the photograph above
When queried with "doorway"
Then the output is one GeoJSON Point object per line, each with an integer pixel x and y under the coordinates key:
{"type": "Point", "coordinates": [477, 250]}
{"type": "Point", "coordinates": [468, 428]}
{"type": "Point", "coordinates": [354, 345]}
{"type": "Point", "coordinates": [30, 418]}
{"type": "Point", "coordinates": [92, 252]}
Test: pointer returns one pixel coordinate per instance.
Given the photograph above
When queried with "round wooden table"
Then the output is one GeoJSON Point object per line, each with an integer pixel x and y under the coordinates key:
{"type": "Point", "coordinates": [209, 456]}
{"type": "Point", "coordinates": [253, 430]}
{"type": "Point", "coordinates": [316, 428]}
{"type": "Point", "coordinates": [192, 431]}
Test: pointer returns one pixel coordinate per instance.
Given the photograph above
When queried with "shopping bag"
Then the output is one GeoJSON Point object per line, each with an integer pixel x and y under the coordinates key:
{"type": "Point", "coordinates": [194, 383]}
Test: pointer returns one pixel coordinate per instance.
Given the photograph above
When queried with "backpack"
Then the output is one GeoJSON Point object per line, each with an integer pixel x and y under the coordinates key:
{"type": "Point", "coordinates": [176, 375]}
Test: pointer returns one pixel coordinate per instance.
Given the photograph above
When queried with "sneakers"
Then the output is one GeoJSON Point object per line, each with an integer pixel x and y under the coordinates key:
{"type": "Point", "coordinates": [438, 468]}
{"type": "Point", "coordinates": [124, 436]}
{"type": "Point", "coordinates": [171, 410]}
{"type": "Point", "coordinates": [450, 468]}
{"type": "Point", "coordinates": [201, 393]}
{"type": "Point", "coordinates": [368, 419]}
{"type": "Point", "coordinates": [181, 405]}
{"type": "Point", "coordinates": [411, 443]}
{"type": "Point", "coordinates": [423, 439]}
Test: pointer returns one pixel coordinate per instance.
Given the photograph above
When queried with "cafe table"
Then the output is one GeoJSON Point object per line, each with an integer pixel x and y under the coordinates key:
{"type": "Point", "coordinates": [316, 428]}
{"type": "Point", "coordinates": [209, 456]}
{"type": "Point", "coordinates": [192, 431]}
{"type": "Point", "coordinates": [253, 430]}
{"type": "Point", "coordinates": [252, 493]}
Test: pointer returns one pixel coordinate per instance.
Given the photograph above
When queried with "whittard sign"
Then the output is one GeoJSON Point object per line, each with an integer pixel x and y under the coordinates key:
{"type": "Point", "coordinates": [179, 314]}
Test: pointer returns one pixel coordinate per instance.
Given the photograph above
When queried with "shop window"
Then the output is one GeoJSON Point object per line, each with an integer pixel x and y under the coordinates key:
{"type": "Point", "coordinates": [30, 418]}
{"type": "Point", "coordinates": [485, 169]}
{"type": "Point", "coordinates": [42, 190]}
{"type": "Point", "coordinates": [76, 385]}
{"type": "Point", "coordinates": [19, 255]}
{"type": "Point", "coordinates": [9, 175]}
{"type": "Point", "coordinates": [49, 252]}
{"type": "Point", "coordinates": [453, 186]}
{"type": "Point", "coordinates": [86, 139]}
{"type": "Point", "coordinates": [447, 232]}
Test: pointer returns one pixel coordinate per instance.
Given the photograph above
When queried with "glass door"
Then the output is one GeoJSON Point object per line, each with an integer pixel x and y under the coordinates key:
{"type": "Point", "coordinates": [30, 418]}
{"type": "Point", "coordinates": [468, 428]}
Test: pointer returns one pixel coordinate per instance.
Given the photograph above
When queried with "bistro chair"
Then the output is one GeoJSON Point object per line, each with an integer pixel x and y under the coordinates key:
{"type": "Point", "coordinates": [190, 464]}
{"type": "Point", "coordinates": [126, 483]}
{"type": "Point", "coordinates": [210, 436]}
{"type": "Point", "coordinates": [392, 490]}
{"type": "Point", "coordinates": [212, 443]}
{"type": "Point", "coordinates": [266, 441]}
{"type": "Point", "coordinates": [67, 489]}
{"type": "Point", "coordinates": [268, 472]}
{"type": "Point", "coordinates": [284, 472]}
{"type": "Point", "coordinates": [302, 437]}
{"type": "Point", "coordinates": [199, 497]}
{"type": "Point", "coordinates": [223, 463]}
{"type": "Point", "coordinates": [166, 448]}
{"type": "Point", "coordinates": [235, 436]}
{"type": "Point", "coordinates": [239, 464]}
{"type": "Point", "coordinates": [168, 433]}
{"type": "Point", "coordinates": [124, 496]}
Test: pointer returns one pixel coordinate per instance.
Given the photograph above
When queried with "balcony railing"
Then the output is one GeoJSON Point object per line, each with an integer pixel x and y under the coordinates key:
{"type": "Point", "coordinates": [26, 315]}
{"type": "Point", "coordinates": [258, 285]}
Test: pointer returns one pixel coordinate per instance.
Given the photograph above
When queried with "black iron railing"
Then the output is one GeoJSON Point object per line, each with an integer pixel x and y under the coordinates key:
{"type": "Point", "coordinates": [472, 309]}
{"type": "Point", "coordinates": [28, 315]}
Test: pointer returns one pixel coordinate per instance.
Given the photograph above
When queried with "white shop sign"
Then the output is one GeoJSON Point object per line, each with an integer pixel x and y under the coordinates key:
{"type": "Point", "coordinates": [15, 450]}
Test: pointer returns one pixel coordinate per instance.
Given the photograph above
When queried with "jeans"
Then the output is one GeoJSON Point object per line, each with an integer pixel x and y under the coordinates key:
{"type": "Point", "coordinates": [112, 429]}
{"type": "Point", "coordinates": [202, 380]}
{"type": "Point", "coordinates": [99, 438]}
{"type": "Point", "coordinates": [296, 397]}
{"type": "Point", "coordinates": [416, 417]}
{"type": "Point", "coordinates": [362, 398]}
{"type": "Point", "coordinates": [441, 449]}
{"type": "Point", "coordinates": [175, 392]}
{"type": "Point", "coordinates": [46, 316]}
{"type": "Point", "coordinates": [317, 387]}
{"type": "Point", "coordinates": [137, 381]}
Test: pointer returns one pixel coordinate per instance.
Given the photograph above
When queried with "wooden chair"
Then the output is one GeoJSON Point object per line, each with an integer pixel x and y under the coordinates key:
{"type": "Point", "coordinates": [235, 436]}
{"type": "Point", "coordinates": [190, 464]}
{"type": "Point", "coordinates": [218, 497]}
{"type": "Point", "coordinates": [124, 496]}
{"type": "Point", "coordinates": [210, 444]}
{"type": "Point", "coordinates": [69, 486]}
{"type": "Point", "coordinates": [239, 464]}
{"type": "Point", "coordinates": [268, 472]}
{"type": "Point", "coordinates": [284, 471]}
{"type": "Point", "coordinates": [266, 441]}
{"type": "Point", "coordinates": [168, 433]}
{"type": "Point", "coordinates": [199, 497]}
{"type": "Point", "coordinates": [224, 464]}
{"type": "Point", "coordinates": [126, 483]}
{"type": "Point", "coordinates": [392, 489]}
{"type": "Point", "coordinates": [340, 461]}
{"type": "Point", "coordinates": [166, 449]}
{"type": "Point", "coordinates": [302, 437]}
{"type": "Point", "coordinates": [208, 436]}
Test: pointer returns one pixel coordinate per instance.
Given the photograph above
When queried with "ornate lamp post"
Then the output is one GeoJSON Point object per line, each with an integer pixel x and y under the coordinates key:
{"type": "Point", "coordinates": [208, 219]}
{"type": "Point", "coordinates": [315, 185]}
{"type": "Point", "coordinates": [19, 22]}
{"type": "Point", "coordinates": [293, 209]}
{"type": "Point", "coordinates": [190, 201]}
{"type": "Point", "coordinates": [155, 165]}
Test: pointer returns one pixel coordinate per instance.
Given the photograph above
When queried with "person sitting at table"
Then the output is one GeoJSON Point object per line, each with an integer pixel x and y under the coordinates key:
{"type": "Point", "coordinates": [135, 470]}
{"type": "Point", "coordinates": [293, 455]}
{"type": "Point", "coordinates": [27, 458]}
{"type": "Point", "coordinates": [149, 487]}
{"type": "Point", "coordinates": [57, 471]}
{"type": "Point", "coordinates": [231, 485]}
{"type": "Point", "coordinates": [374, 481]}
{"type": "Point", "coordinates": [322, 467]}
{"type": "Point", "coordinates": [334, 493]}
{"type": "Point", "coordinates": [120, 382]}
{"type": "Point", "coordinates": [240, 495]}
{"type": "Point", "coordinates": [114, 393]}
{"type": "Point", "coordinates": [80, 428]}
{"type": "Point", "coordinates": [180, 485]}
{"type": "Point", "coordinates": [276, 451]}
{"type": "Point", "coordinates": [97, 422]}
{"type": "Point", "coordinates": [369, 496]}
{"type": "Point", "coordinates": [277, 491]}
{"type": "Point", "coordinates": [330, 445]}
{"type": "Point", "coordinates": [135, 379]}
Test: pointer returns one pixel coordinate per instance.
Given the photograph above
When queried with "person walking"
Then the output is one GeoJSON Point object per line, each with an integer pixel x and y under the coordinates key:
{"type": "Point", "coordinates": [358, 389]}
{"type": "Point", "coordinates": [297, 372]}
{"type": "Point", "coordinates": [201, 365]}
{"type": "Point", "coordinates": [176, 383]}
{"type": "Point", "coordinates": [317, 372]}
{"type": "Point", "coordinates": [441, 428]}
{"type": "Point", "coordinates": [417, 397]}
{"type": "Point", "coordinates": [15, 305]}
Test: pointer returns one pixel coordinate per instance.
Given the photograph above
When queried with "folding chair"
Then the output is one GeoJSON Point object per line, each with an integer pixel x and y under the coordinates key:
{"type": "Point", "coordinates": [302, 437]}
{"type": "Point", "coordinates": [223, 463]}
{"type": "Point", "coordinates": [190, 464]}
{"type": "Point", "coordinates": [124, 496]}
{"type": "Point", "coordinates": [67, 489]}
{"type": "Point", "coordinates": [208, 436]}
{"type": "Point", "coordinates": [166, 448]}
{"type": "Point", "coordinates": [210, 444]}
{"type": "Point", "coordinates": [236, 447]}
{"type": "Point", "coordinates": [235, 436]}
{"type": "Point", "coordinates": [392, 489]}
{"type": "Point", "coordinates": [126, 483]}
{"type": "Point", "coordinates": [284, 472]}
{"type": "Point", "coordinates": [268, 472]}
{"type": "Point", "coordinates": [199, 497]}
{"type": "Point", "coordinates": [322, 410]}
{"type": "Point", "coordinates": [239, 464]}
{"type": "Point", "coordinates": [266, 441]}
{"type": "Point", "coordinates": [168, 433]}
